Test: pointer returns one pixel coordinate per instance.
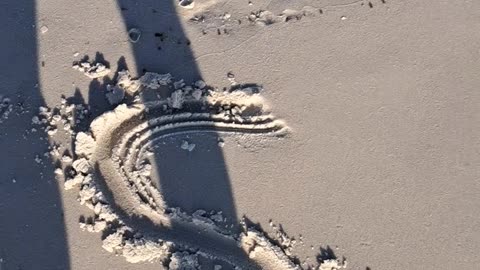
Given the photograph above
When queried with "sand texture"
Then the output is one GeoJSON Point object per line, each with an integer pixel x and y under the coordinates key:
{"type": "Point", "coordinates": [262, 134]}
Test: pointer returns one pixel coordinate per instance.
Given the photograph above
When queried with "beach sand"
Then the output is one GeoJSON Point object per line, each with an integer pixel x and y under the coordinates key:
{"type": "Point", "coordinates": [348, 135]}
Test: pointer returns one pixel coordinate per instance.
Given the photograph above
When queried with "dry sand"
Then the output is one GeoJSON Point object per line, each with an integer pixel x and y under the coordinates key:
{"type": "Point", "coordinates": [365, 149]}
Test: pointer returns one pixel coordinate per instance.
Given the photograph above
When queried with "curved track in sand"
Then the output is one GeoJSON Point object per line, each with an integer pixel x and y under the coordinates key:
{"type": "Point", "coordinates": [123, 136]}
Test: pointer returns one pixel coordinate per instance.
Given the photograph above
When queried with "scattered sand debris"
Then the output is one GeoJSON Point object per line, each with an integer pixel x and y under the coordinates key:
{"type": "Point", "coordinates": [187, 146]}
{"type": "Point", "coordinates": [66, 158]}
{"type": "Point", "coordinates": [73, 182]}
{"type": "Point", "coordinates": [236, 111]}
{"type": "Point", "coordinates": [126, 82]}
{"type": "Point", "coordinates": [84, 145]}
{"type": "Point", "coordinates": [209, 218]}
{"type": "Point", "coordinates": [332, 264]}
{"type": "Point", "coordinates": [231, 78]}
{"type": "Point", "coordinates": [113, 242]}
{"type": "Point", "coordinates": [183, 261]}
{"type": "Point", "coordinates": [137, 250]}
{"type": "Point", "coordinates": [262, 17]}
{"type": "Point", "coordinates": [197, 94]}
{"type": "Point", "coordinates": [286, 242]}
{"type": "Point", "coordinates": [264, 252]}
{"type": "Point", "coordinates": [217, 217]}
{"type": "Point", "coordinates": [92, 70]}
{"type": "Point", "coordinates": [81, 165]}
{"type": "Point", "coordinates": [36, 120]}
{"type": "Point", "coordinates": [224, 23]}
{"type": "Point", "coordinates": [51, 131]}
{"type": "Point", "coordinates": [155, 80]}
{"type": "Point", "coordinates": [54, 150]}
{"type": "Point", "coordinates": [200, 84]}
{"type": "Point", "coordinates": [98, 226]}
{"type": "Point", "coordinates": [38, 159]}
{"type": "Point", "coordinates": [6, 107]}
{"type": "Point", "coordinates": [115, 94]}
{"type": "Point", "coordinates": [64, 117]}
{"type": "Point", "coordinates": [59, 171]}
{"type": "Point", "coordinates": [145, 169]}
{"type": "Point", "coordinates": [126, 85]}
{"type": "Point", "coordinates": [177, 99]}
{"type": "Point", "coordinates": [178, 84]}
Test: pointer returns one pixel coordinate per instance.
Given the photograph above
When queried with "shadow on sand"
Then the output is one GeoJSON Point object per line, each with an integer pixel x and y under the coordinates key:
{"type": "Point", "coordinates": [32, 230]}
{"type": "Point", "coordinates": [189, 180]}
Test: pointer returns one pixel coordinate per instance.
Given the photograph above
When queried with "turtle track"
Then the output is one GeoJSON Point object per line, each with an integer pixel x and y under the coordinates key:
{"type": "Point", "coordinates": [121, 139]}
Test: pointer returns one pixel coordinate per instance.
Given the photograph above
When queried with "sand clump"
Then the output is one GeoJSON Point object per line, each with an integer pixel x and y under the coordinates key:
{"type": "Point", "coordinates": [187, 146]}
{"type": "Point", "coordinates": [225, 23]}
{"type": "Point", "coordinates": [92, 70]}
{"type": "Point", "coordinates": [84, 145]}
{"type": "Point", "coordinates": [183, 261]}
{"type": "Point", "coordinates": [332, 264]}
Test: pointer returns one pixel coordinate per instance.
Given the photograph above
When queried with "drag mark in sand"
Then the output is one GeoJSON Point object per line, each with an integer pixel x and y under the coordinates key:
{"type": "Point", "coordinates": [114, 176]}
{"type": "Point", "coordinates": [112, 171]}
